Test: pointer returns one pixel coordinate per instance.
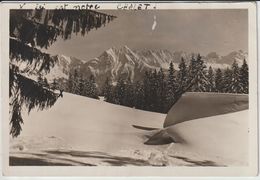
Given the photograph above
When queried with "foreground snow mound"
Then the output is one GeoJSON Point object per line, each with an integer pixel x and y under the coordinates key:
{"type": "Point", "coordinates": [206, 129]}
{"type": "Point", "coordinates": [198, 105]}
{"type": "Point", "coordinates": [219, 140]}
{"type": "Point", "coordinates": [82, 131]}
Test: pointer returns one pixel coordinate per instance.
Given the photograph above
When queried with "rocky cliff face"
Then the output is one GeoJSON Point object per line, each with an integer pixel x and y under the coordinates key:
{"type": "Point", "coordinates": [133, 63]}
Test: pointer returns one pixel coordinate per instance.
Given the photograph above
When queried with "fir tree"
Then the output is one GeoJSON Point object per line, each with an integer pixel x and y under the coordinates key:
{"type": "Point", "coordinates": [200, 73]}
{"type": "Point", "coordinates": [153, 91]}
{"type": "Point", "coordinates": [244, 77]}
{"type": "Point", "coordinates": [147, 90]}
{"type": "Point", "coordinates": [227, 77]}
{"type": "Point", "coordinates": [139, 102]}
{"type": "Point", "coordinates": [193, 67]}
{"type": "Point", "coordinates": [75, 82]}
{"type": "Point", "coordinates": [195, 74]}
{"type": "Point", "coordinates": [93, 91]}
{"type": "Point", "coordinates": [129, 93]}
{"type": "Point", "coordinates": [29, 31]}
{"type": "Point", "coordinates": [69, 86]}
{"type": "Point", "coordinates": [235, 84]}
{"type": "Point", "coordinates": [219, 82]}
{"type": "Point", "coordinates": [182, 75]}
{"type": "Point", "coordinates": [120, 91]}
{"type": "Point", "coordinates": [210, 86]}
{"type": "Point", "coordinates": [161, 91]}
{"type": "Point", "coordinates": [171, 87]}
{"type": "Point", "coordinates": [108, 91]}
{"type": "Point", "coordinates": [81, 86]}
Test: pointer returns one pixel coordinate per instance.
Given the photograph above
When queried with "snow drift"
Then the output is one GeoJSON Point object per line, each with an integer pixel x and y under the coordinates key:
{"type": "Point", "coordinates": [216, 141]}
{"type": "Point", "coordinates": [83, 131]}
{"type": "Point", "coordinates": [80, 131]}
{"type": "Point", "coordinates": [198, 105]}
{"type": "Point", "coordinates": [207, 129]}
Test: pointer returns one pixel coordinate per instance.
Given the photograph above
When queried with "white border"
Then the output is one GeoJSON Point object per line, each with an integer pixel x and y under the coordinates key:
{"type": "Point", "coordinates": [250, 170]}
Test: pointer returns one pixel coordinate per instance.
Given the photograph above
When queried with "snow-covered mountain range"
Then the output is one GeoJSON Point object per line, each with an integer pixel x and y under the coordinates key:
{"type": "Point", "coordinates": [133, 63]}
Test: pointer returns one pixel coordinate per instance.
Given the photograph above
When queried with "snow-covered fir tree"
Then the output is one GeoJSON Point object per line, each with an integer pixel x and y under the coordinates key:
{"type": "Point", "coordinates": [227, 78]}
{"type": "Point", "coordinates": [171, 86]}
{"type": "Point", "coordinates": [147, 90]}
{"type": "Point", "coordinates": [75, 82]}
{"type": "Point", "coordinates": [69, 86]}
{"type": "Point", "coordinates": [129, 93]}
{"type": "Point", "coordinates": [81, 85]}
{"type": "Point", "coordinates": [210, 86]}
{"type": "Point", "coordinates": [219, 83]}
{"type": "Point", "coordinates": [192, 70]}
{"type": "Point", "coordinates": [244, 77]}
{"type": "Point", "coordinates": [153, 90]}
{"type": "Point", "coordinates": [92, 88]}
{"type": "Point", "coordinates": [161, 91]}
{"type": "Point", "coordinates": [236, 85]}
{"type": "Point", "coordinates": [139, 102]}
{"type": "Point", "coordinates": [120, 91]}
{"type": "Point", "coordinates": [182, 75]}
{"type": "Point", "coordinates": [108, 91]}
{"type": "Point", "coordinates": [199, 71]}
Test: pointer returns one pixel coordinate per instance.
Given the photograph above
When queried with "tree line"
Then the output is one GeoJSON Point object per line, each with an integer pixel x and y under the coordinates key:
{"type": "Point", "coordinates": [159, 90]}
{"type": "Point", "coordinates": [77, 84]}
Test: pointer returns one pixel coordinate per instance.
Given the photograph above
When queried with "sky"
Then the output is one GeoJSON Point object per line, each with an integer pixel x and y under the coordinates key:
{"type": "Point", "coordinates": [195, 31]}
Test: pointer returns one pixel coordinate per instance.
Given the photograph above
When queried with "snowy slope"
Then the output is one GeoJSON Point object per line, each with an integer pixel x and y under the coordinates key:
{"type": "Point", "coordinates": [77, 124]}
{"type": "Point", "coordinates": [220, 140]}
{"type": "Point", "coordinates": [208, 129]}
{"type": "Point", "coordinates": [83, 131]}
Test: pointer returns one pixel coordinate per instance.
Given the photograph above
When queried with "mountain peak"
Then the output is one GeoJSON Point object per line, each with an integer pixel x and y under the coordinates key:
{"type": "Point", "coordinates": [113, 48]}
{"type": "Point", "coordinates": [122, 61]}
{"type": "Point", "coordinates": [125, 47]}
